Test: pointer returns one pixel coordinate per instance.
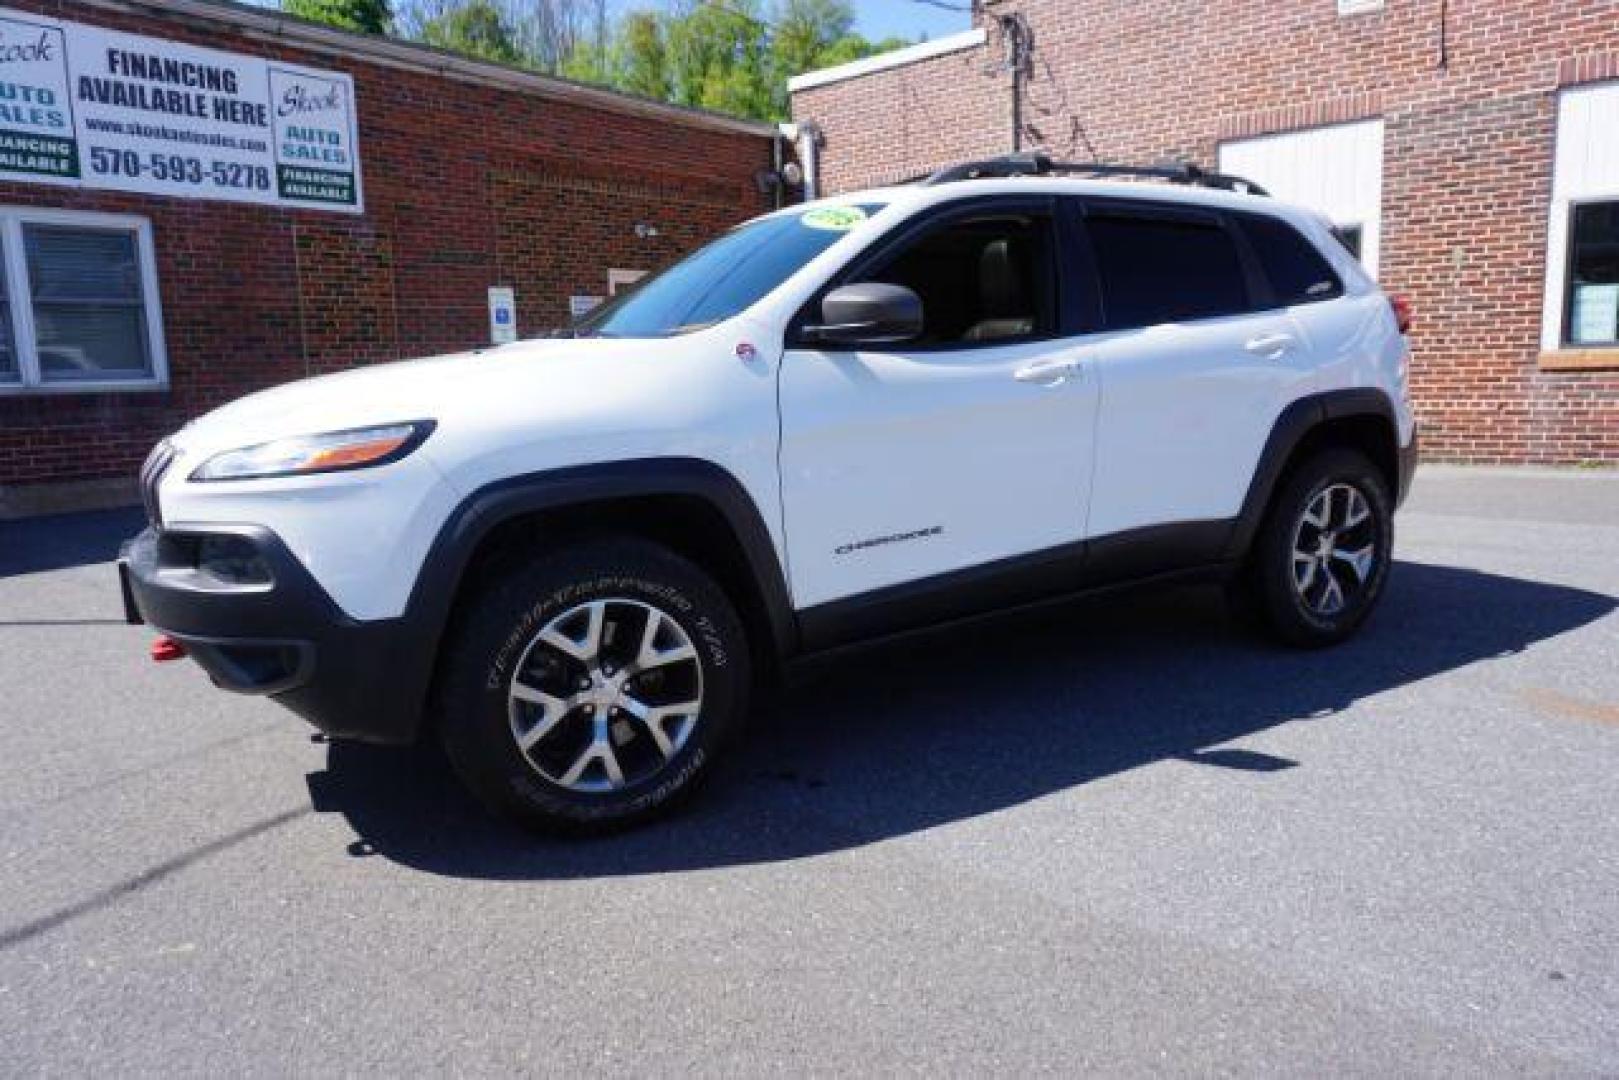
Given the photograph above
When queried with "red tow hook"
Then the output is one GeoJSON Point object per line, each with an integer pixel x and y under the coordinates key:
{"type": "Point", "coordinates": [165, 649]}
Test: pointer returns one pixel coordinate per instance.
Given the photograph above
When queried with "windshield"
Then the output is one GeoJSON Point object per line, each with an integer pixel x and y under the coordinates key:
{"type": "Point", "coordinates": [726, 276]}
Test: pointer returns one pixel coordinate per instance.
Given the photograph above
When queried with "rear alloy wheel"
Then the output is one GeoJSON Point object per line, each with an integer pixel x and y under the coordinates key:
{"type": "Point", "coordinates": [1322, 557]}
{"type": "Point", "coordinates": [1334, 550]}
{"type": "Point", "coordinates": [590, 689]}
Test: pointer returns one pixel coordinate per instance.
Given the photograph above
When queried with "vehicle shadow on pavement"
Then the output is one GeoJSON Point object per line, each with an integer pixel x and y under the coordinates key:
{"type": "Point", "coordinates": [961, 722]}
{"type": "Point", "coordinates": [59, 542]}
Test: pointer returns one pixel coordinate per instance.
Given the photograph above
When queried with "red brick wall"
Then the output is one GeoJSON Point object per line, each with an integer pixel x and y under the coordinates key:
{"type": "Point", "coordinates": [465, 187]}
{"type": "Point", "coordinates": [1467, 158]}
{"type": "Point", "coordinates": [901, 122]}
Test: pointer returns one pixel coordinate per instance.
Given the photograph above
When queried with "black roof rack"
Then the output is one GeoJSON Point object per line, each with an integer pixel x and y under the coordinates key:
{"type": "Point", "coordinates": [1041, 165]}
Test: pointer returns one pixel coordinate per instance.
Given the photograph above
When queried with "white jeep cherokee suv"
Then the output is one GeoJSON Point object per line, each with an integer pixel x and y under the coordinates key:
{"type": "Point", "coordinates": [569, 559]}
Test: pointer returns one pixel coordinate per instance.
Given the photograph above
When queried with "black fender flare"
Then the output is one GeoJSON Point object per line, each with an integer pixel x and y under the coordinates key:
{"type": "Point", "coordinates": [1292, 427]}
{"type": "Point", "coordinates": [443, 570]}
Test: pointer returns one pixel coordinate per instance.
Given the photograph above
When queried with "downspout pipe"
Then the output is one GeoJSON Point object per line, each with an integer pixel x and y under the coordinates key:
{"type": "Point", "coordinates": [806, 136]}
{"type": "Point", "coordinates": [809, 152]}
{"type": "Point", "coordinates": [776, 162]}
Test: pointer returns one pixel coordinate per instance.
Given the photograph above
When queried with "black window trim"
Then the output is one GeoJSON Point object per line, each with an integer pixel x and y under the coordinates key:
{"type": "Point", "coordinates": [1084, 300]}
{"type": "Point", "coordinates": [926, 221]}
{"type": "Point", "coordinates": [1565, 335]}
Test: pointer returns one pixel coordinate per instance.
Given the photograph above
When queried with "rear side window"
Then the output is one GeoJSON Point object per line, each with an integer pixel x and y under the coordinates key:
{"type": "Point", "coordinates": [1165, 270]}
{"type": "Point", "coordinates": [1297, 272]}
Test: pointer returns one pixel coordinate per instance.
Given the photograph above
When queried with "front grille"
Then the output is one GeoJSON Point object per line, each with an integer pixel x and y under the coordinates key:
{"type": "Point", "coordinates": [157, 463]}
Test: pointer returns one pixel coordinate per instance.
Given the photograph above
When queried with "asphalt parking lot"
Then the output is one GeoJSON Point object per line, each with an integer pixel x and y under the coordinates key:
{"type": "Point", "coordinates": [1118, 836]}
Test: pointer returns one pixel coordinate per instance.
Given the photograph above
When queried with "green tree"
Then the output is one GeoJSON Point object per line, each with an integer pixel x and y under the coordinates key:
{"type": "Point", "coordinates": [365, 16]}
{"type": "Point", "coordinates": [587, 62]}
{"type": "Point", "coordinates": [853, 47]}
{"type": "Point", "coordinates": [641, 56]}
{"type": "Point", "coordinates": [813, 34]}
{"type": "Point", "coordinates": [731, 56]}
{"type": "Point", "coordinates": [719, 58]}
{"type": "Point", "coordinates": [806, 30]}
{"type": "Point", "coordinates": [474, 28]}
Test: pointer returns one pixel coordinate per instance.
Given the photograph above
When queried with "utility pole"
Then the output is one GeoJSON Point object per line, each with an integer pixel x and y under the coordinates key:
{"type": "Point", "coordinates": [1019, 39]}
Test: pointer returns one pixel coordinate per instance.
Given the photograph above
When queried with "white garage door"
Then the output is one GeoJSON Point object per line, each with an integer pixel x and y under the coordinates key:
{"type": "Point", "coordinates": [1336, 170]}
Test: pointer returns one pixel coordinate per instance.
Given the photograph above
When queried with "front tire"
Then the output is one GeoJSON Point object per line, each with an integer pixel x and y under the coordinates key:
{"type": "Point", "coordinates": [590, 690]}
{"type": "Point", "coordinates": [1322, 557]}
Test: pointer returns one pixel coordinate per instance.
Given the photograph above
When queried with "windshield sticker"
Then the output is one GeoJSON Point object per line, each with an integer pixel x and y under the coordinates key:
{"type": "Point", "coordinates": [833, 218]}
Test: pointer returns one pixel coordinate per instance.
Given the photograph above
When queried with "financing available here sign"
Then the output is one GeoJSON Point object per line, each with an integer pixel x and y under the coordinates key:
{"type": "Point", "coordinates": [91, 107]}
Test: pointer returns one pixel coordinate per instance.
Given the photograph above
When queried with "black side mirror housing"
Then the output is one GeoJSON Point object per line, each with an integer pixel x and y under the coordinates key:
{"type": "Point", "coordinates": [871, 313]}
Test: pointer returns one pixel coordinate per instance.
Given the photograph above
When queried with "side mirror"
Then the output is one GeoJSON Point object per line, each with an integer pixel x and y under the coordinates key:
{"type": "Point", "coordinates": [868, 314]}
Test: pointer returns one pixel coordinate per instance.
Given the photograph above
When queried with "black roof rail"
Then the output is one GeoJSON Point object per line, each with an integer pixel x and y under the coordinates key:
{"type": "Point", "coordinates": [991, 168]}
{"type": "Point", "coordinates": [1041, 165]}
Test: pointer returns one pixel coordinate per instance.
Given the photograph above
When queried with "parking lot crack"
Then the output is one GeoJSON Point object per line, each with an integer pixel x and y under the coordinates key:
{"type": "Point", "coordinates": [107, 897]}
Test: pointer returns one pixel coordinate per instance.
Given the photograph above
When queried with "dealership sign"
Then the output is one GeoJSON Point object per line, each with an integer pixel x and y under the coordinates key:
{"type": "Point", "coordinates": [93, 108]}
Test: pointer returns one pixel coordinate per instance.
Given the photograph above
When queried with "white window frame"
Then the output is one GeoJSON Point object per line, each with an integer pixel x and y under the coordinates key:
{"type": "Point", "coordinates": [1359, 7]}
{"type": "Point", "coordinates": [1574, 183]}
{"type": "Point", "coordinates": [21, 300]}
{"type": "Point", "coordinates": [620, 279]}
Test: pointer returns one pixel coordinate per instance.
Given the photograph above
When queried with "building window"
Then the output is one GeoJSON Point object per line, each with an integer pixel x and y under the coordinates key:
{"type": "Point", "coordinates": [1582, 245]}
{"type": "Point", "coordinates": [10, 372]}
{"type": "Point", "coordinates": [79, 310]}
{"type": "Point", "coordinates": [1352, 237]}
{"type": "Point", "coordinates": [1358, 7]}
{"type": "Point", "coordinates": [623, 280]}
{"type": "Point", "coordinates": [1592, 312]}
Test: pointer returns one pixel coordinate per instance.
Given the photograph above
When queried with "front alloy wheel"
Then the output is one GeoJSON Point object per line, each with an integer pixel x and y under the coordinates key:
{"type": "Point", "coordinates": [606, 695]}
{"type": "Point", "coordinates": [590, 688]}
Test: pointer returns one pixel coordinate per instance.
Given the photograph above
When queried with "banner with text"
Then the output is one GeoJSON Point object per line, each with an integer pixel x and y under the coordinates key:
{"type": "Point", "coordinates": [96, 108]}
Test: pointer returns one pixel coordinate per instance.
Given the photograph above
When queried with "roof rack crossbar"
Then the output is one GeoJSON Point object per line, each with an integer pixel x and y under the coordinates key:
{"type": "Point", "coordinates": [1041, 165]}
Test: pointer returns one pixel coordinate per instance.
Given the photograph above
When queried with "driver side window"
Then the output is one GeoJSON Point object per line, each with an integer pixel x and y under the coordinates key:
{"type": "Point", "coordinates": [983, 280]}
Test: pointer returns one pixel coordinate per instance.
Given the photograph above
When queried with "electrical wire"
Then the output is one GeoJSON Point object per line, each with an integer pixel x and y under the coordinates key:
{"type": "Point", "coordinates": [1065, 106]}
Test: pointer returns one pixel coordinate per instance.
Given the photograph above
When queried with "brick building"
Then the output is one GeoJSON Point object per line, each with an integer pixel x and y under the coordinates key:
{"type": "Point", "coordinates": [199, 199]}
{"type": "Point", "coordinates": [1470, 147]}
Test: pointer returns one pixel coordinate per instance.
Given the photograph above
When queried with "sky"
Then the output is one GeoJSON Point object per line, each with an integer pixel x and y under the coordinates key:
{"type": "Point", "coordinates": [908, 19]}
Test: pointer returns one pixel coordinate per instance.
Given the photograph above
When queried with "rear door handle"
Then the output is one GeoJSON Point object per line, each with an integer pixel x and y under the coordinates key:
{"type": "Point", "coordinates": [1047, 372]}
{"type": "Point", "coordinates": [1271, 345]}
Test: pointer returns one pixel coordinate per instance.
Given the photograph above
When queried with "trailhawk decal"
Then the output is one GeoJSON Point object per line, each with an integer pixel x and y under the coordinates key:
{"type": "Point", "coordinates": [881, 541]}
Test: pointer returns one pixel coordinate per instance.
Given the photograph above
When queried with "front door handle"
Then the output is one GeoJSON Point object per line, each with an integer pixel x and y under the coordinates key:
{"type": "Point", "coordinates": [1271, 345]}
{"type": "Point", "coordinates": [1047, 372]}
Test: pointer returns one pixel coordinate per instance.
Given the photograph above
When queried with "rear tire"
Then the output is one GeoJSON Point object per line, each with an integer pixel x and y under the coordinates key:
{"type": "Point", "coordinates": [1322, 556]}
{"type": "Point", "coordinates": [590, 689]}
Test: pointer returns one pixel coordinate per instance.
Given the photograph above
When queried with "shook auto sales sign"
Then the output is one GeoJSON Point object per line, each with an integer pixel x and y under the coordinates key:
{"type": "Point", "coordinates": [94, 108]}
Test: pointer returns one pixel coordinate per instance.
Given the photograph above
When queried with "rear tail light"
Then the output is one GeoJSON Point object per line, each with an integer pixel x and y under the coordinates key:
{"type": "Point", "coordinates": [1402, 312]}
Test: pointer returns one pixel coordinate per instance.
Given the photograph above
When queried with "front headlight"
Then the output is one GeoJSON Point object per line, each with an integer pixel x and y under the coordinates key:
{"type": "Point", "coordinates": [331, 451]}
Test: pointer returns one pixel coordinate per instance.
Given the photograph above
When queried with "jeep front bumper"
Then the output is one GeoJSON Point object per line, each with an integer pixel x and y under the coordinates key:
{"type": "Point", "coordinates": [257, 622]}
